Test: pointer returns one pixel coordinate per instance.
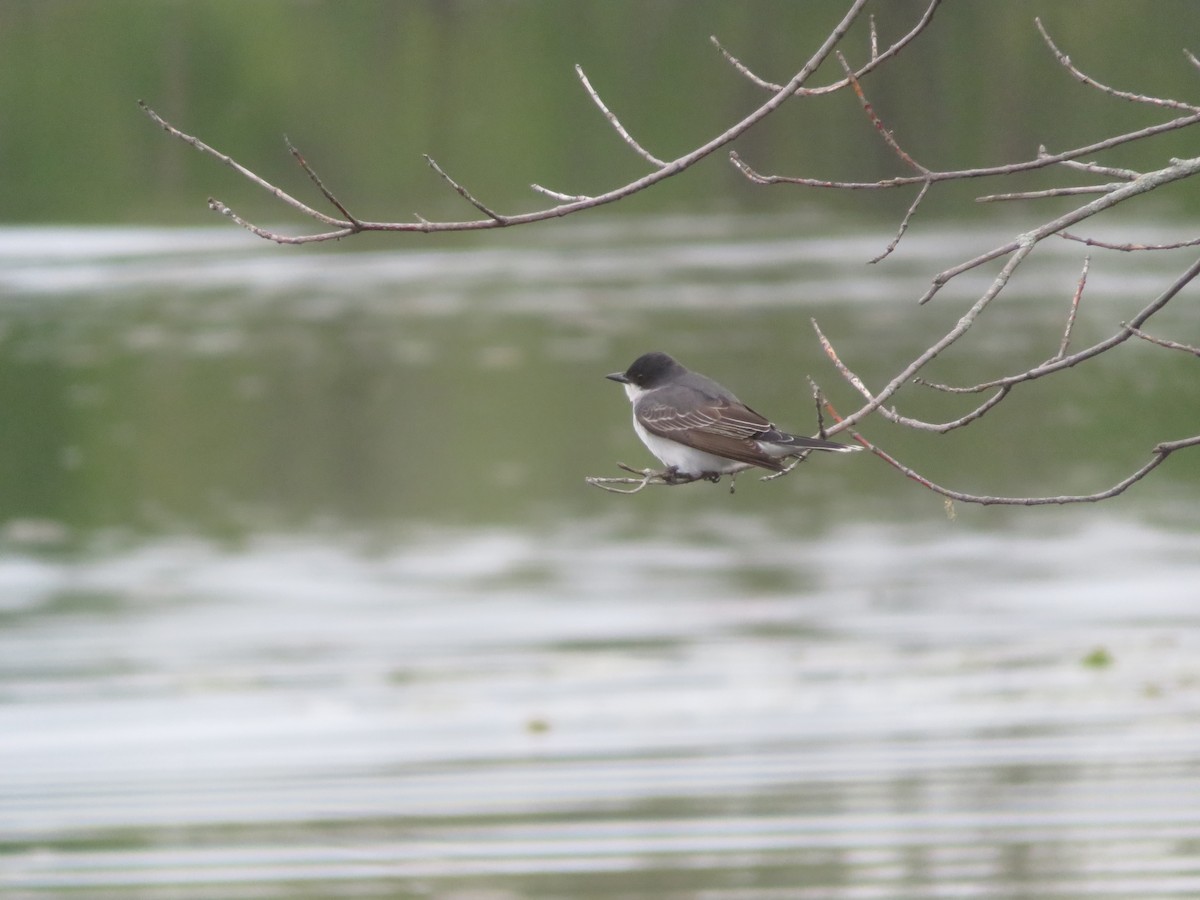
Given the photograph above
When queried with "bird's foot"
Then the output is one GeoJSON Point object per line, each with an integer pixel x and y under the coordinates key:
{"type": "Point", "coordinates": [673, 476]}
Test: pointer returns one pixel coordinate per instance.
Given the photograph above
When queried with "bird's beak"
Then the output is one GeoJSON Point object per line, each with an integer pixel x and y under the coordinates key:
{"type": "Point", "coordinates": [618, 376]}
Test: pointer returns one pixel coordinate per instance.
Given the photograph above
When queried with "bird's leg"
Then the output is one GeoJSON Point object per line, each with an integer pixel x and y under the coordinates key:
{"type": "Point", "coordinates": [674, 476]}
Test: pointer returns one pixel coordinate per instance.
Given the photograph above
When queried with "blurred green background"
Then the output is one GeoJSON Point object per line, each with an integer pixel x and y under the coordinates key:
{"type": "Point", "coordinates": [363, 88]}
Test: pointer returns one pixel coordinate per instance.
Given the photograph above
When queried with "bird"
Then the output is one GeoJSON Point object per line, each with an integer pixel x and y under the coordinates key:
{"type": "Point", "coordinates": [699, 429]}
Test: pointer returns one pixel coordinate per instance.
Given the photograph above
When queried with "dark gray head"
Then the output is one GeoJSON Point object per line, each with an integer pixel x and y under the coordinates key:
{"type": "Point", "coordinates": [649, 371]}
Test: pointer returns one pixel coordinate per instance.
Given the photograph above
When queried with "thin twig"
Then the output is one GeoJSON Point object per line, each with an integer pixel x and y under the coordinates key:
{"type": "Point", "coordinates": [882, 129]}
{"type": "Point", "coordinates": [464, 193]}
{"type": "Point", "coordinates": [615, 122]}
{"type": "Point", "coordinates": [854, 381]}
{"type": "Point", "coordinates": [1163, 342]}
{"type": "Point", "coordinates": [1074, 311]}
{"type": "Point", "coordinates": [495, 220]}
{"type": "Point", "coordinates": [876, 59]}
{"type": "Point", "coordinates": [609, 484]}
{"type": "Point", "coordinates": [890, 414]}
{"type": "Point", "coordinates": [743, 69]}
{"type": "Point", "coordinates": [1051, 192]}
{"type": "Point", "coordinates": [1126, 331]}
{"type": "Point", "coordinates": [667, 477]}
{"type": "Point", "coordinates": [1130, 247]}
{"type": "Point", "coordinates": [1159, 454]}
{"type": "Point", "coordinates": [240, 169]}
{"type": "Point", "coordinates": [1094, 168]}
{"type": "Point", "coordinates": [321, 185]}
{"type": "Point", "coordinates": [962, 174]}
{"type": "Point", "coordinates": [890, 140]}
{"type": "Point", "coordinates": [1104, 88]}
{"type": "Point", "coordinates": [912, 210]}
{"type": "Point", "coordinates": [555, 195]}
{"type": "Point", "coordinates": [218, 207]}
{"type": "Point", "coordinates": [1150, 181]}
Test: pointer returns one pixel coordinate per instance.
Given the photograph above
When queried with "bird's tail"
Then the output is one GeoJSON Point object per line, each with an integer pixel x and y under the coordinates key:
{"type": "Point", "coordinates": [807, 443]}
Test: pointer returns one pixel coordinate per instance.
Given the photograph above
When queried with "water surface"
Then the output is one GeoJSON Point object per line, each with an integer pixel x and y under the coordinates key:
{"type": "Point", "coordinates": [302, 592]}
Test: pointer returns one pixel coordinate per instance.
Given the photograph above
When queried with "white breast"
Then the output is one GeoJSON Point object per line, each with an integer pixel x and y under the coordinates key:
{"type": "Point", "coordinates": [685, 459]}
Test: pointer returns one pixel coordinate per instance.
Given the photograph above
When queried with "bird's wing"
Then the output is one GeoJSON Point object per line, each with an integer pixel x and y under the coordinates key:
{"type": "Point", "coordinates": [722, 427]}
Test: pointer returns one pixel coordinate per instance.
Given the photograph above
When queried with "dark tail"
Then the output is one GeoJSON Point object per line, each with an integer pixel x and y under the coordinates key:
{"type": "Point", "coordinates": [807, 443]}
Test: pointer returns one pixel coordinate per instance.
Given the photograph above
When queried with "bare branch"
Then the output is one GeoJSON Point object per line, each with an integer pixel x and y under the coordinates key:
{"type": "Point", "coordinates": [890, 140]}
{"type": "Point", "coordinates": [1051, 192]}
{"type": "Point", "coordinates": [495, 220]}
{"type": "Point", "coordinates": [743, 69]}
{"type": "Point", "coordinates": [1079, 286]}
{"type": "Point", "coordinates": [240, 169]}
{"type": "Point", "coordinates": [615, 123]}
{"type": "Point", "coordinates": [464, 193]}
{"type": "Point", "coordinates": [1162, 342]}
{"type": "Point", "coordinates": [890, 414]}
{"type": "Point", "coordinates": [1150, 181]}
{"type": "Point", "coordinates": [912, 210]}
{"type": "Point", "coordinates": [321, 185]}
{"type": "Point", "coordinates": [1053, 365]}
{"type": "Point", "coordinates": [1041, 162]}
{"type": "Point", "coordinates": [1111, 91]}
{"type": "Point", "coordinates": [667, 477]}
{"type": "Point", "coordinates": [876, 58]}
{"type": "Point", "coordinates": [854, 381]}
{"type": "Point", "coordinates": [555, 195]}
{"type": "Point", "coordinates": [1159, 455]}
{"type": "Point", "coordinates": [1093, 168]}
{"type": "Point", "coordinates": [218, 207]}
{"type": "Point", "coordinates": [883, 130]}
{"type": "Point", "coordinates": [1106, 245]}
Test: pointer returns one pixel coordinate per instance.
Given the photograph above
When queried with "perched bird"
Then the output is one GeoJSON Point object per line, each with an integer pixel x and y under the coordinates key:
{"type": "Point", "coordinates": [698, 429]}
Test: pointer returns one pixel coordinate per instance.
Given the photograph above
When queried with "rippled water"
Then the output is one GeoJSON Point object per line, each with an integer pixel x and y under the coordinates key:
{"type": "Point", "coordinates": [518, 687]}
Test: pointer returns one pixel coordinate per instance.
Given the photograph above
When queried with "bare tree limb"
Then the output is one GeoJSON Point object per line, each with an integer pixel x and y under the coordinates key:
{"type": "Point", "coordinates": [1128, 247]}
{"type": "Point", "coordinates": [1162, 342]}
{"type": "Point", "coordinates": [1040, 162]}
{"type": "Point", "coordinates": [616, 124]}
{"type": "Point", "coordinates": [1179, 169]}
{"type": "Point", "coordinates": [465, 194]}
{"type": "Point", "coordinates": [1079, 286]}
{"type": "Point", "coordinates": [1057, 364]}
{"type": "Point", "coordinates": [1093, 168]}
{"type": "Point", "coordinates": [1051, 192]}
{"type": "Point", "coordinates": [883, 130]}
{"type": "Point", "coordinates": [1104, 88]}
{"type": "Point", "coordinates": [877, 58]}
{"type": "Point", "coordinates": [1159, 455]}
{"type": "Point", "coordinates": [666, 477]}
{"type": "Point", "coordinates": [321, 185]}
{"type": "Point", "coordinates": [668, 169]}
{"type": "Point", "coordinates": [240, 169]}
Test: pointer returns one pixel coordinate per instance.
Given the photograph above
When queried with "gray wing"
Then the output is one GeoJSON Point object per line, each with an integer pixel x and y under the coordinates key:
{"type": "Point", "coordinates": [720, 426]}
